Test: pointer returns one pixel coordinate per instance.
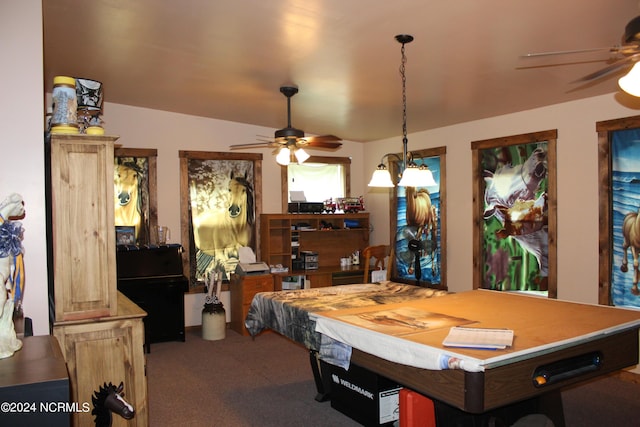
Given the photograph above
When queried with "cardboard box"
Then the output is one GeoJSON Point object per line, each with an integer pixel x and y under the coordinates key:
{"type": "Point", "coordinates": [364, 396]}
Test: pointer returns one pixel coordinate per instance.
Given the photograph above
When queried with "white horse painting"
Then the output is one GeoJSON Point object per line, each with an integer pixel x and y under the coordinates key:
{"type": "Point", "coordinates": [11, 271]}
{"type": "Point", "coordinates": [220, 233]}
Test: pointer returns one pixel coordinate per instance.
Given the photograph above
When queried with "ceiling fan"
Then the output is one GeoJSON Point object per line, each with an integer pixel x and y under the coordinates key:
{"type": "Point", "coordinates": [289, 142]}
{"type": "Point", "coordinates": [623, 56]}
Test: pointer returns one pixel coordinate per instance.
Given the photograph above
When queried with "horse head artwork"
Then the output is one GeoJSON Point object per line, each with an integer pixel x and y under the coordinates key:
{"type": "Point", "coordinates": [220, 233]}
{"type": "Point", "coordinates": [510, 197]}
{"type": "Point", "coordinates": [109, 399]}
{"type": "Point", "coordinates": [11, 271]}
{"type": "Point", "coordinates": [631, 239]}
{"type": "Point", "coordinates": [128, 203]}
{"type": "Point", "coordinates": [423, 218]}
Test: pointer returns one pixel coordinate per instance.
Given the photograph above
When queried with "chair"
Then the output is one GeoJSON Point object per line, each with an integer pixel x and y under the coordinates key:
{"type": "Point", "coordinates": [378, 257]}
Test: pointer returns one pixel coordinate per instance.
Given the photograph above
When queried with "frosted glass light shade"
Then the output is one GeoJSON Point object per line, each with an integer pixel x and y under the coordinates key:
{"type": "Point", "coordinates": [411, 177]}
{"type": "Point", "coordinates": [630, 82]}
{"type": "Point", "coordinates": [426, 177]}
{"type": "Point", "coordinates": [381, 178]}
{"type": "Point", "coordinates": [301, 155]}
{"type": "Point", "coordinates": [284, 156]}
{"type": "Point", "coordinates": [414, 176]}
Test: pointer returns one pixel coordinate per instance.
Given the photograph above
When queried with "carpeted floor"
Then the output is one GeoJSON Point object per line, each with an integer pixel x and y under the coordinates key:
{"type": "Point", "coordinates": [266, 382]}
{"type": "Point", "coordinates": [236, 382]}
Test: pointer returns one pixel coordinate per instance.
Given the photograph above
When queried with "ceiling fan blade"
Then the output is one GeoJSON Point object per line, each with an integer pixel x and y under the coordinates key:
{"type": "Point", "coordinates": [321, 144]}
{"type": "Point", "coordinates": [568, 52]}
{"type": "Point", "coordinates": [322, 138]}
{"type": "Point", "coordinates": [266, 139]}
{"type": "Point", "coordinates": [616, 66]}
{"type": "Point", "coordinates": [251, 145]}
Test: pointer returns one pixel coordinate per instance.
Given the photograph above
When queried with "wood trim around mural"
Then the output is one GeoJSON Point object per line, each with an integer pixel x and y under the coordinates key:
{"type": "Point", "coordinates": [152, 158]}
{"type": "Point", "coordinates": [187, 242]}
{"type": "Point", "coordinates": [393, 207]}
{"type": "Point", "coordinates": [605, 229]}
{"type": "Point", "coordinates": [548, 136]}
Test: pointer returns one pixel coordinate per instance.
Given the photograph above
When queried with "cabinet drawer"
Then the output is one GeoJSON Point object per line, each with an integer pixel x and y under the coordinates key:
{"type": "Point", "coordinates": [250, 288]}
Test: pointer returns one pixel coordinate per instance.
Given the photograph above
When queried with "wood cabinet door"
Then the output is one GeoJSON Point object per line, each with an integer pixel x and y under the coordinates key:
{"type": "Point", "coordinates": [102, 352]}
{"type": "Point", "coordinates": [82, 206]}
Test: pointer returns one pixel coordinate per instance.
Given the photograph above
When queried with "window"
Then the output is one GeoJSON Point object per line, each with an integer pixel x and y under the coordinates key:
{"type": "Point", "coordinates": [319, 177]}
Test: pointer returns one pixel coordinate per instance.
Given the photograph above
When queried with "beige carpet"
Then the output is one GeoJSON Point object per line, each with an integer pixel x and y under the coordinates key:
{"type": "Point", "coordinates": [266, 382]}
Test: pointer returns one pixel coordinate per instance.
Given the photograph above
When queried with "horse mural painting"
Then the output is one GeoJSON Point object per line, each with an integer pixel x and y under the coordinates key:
{"type": "Point", "coordinates": [423, 218]}
{"type": "Point", "coordinates": [128, 205]}
{"type": "Point", "coordinates": [511, 197]}
{"type": "Point", "coordinates": [631, 240]}
{"type": "Point", "coordinates": [220, 233]}
{"type": "Point", "coordinates": [11, 271]}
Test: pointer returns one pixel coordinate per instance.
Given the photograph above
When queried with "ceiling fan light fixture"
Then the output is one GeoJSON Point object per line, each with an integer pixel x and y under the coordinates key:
{"type": "Point", "coordinates": [630, 82]}
{"type": "Point", "coordinates": [301, 156]}
{"type": "Point", "coordinates": [632, 30]}
{"type": "Point", "coordinates": [284, 156]}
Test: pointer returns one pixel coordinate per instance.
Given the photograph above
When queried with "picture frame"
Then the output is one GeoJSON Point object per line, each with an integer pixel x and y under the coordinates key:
{"type": "Point", "coordinates": [220, 204]}
{"type": "Point", "coordinates": [618, 173]}
{"type": "Point", "coordinates": [420, 246]}
{"type": "Point", "coordinates": [135, 191]}
{"type": "Point", "coordinates": [514, 216]}
{"type": "Point", "coordinates": [125, 235]}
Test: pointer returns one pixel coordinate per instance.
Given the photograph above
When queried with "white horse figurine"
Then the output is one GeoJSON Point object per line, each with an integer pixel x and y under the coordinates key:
{"type": "Point", "coordinates": [11, 271]}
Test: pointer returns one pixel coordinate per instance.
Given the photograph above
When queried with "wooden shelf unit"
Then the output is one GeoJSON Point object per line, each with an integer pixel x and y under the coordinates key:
{"type": "Point", "coordinates": [280, 232]}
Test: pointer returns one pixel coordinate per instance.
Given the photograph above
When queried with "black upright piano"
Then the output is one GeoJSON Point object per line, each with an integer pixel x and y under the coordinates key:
{"type": "Point", "coordinates": [152, 277]}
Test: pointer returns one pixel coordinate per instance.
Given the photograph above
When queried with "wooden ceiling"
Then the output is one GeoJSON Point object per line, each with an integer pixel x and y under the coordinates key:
{"type": "Point", "coordinates": [227, 59]}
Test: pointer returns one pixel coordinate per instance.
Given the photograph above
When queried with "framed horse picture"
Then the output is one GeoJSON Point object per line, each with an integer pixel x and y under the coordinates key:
{"type": "Point", "coordinates": [619, 179]}
{"type": "Point", "coordinates": [135, 194]}
{"type": "Point", "coordinates": [514, 195]}
{"type": "Point", "coordinates": [219, 208]}
{"type": "Point", "coordinates": [418, 227]}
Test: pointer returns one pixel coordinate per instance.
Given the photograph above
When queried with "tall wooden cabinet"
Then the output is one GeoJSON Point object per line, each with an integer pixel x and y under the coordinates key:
{"type": "Point", "coordinates": [100, 331]}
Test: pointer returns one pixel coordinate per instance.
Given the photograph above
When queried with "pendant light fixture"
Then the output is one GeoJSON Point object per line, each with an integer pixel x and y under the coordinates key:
{"type": "Point", "coordinates": [412, 174]}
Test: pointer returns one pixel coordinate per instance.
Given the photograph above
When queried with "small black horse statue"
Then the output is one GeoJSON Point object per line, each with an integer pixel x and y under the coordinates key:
{"type": "Point", "coordinates": [107, 399]}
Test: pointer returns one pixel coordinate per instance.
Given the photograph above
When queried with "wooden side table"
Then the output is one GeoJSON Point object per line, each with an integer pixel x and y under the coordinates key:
{"type": "Point", "coordinates": [242, 289]}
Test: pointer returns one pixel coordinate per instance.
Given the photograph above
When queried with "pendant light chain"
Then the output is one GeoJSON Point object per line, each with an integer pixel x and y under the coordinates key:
{"type": "Point", "coordinates": [404, 93]}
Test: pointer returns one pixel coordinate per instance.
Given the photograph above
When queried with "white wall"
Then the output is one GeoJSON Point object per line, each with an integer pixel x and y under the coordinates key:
{"type": "Point", "coordinates": [21, 142]}
{"type": "Point", "coordinates": [577, 167]}
{"type": "Point", "coordinates": [170, 132]}
{"type": "Point", "coordinates": [577, 184]}
{"type": "Point", "coordinates": [21, 117]}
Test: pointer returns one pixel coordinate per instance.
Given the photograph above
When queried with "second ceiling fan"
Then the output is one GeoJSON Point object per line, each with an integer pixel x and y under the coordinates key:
{"type": "Point", "coordinates": [622, 56]}
{"type": "Point", "coordinates": [289, 141]}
